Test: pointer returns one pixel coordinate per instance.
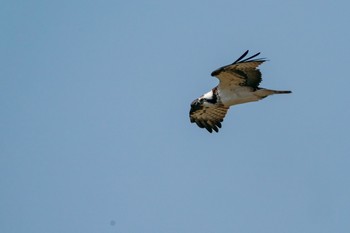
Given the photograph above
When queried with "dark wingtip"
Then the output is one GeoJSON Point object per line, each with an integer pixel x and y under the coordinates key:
{"type": "Point", "coordinates": [210, 130]}
{"type": "Point", "coordinates": [207, 126]}
{"type": "Point", "coordinates": [199, 124]}
{"type": "Point", "coordinates": [251, 57]}
{"type": "Point", "coordinates": [242, 56]}
{"type": "Point", "coordinates": [239, 60]}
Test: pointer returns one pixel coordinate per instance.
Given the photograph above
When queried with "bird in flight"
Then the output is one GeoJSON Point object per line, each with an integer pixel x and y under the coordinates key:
{"type": "Point", "coordinates": [238, 84]}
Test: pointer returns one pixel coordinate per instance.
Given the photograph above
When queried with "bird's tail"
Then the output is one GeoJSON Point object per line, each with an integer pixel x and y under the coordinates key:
{"type": "Point", "coordinates": [281, 92]}
{"type": "Point", "coordinates": [262, 93]}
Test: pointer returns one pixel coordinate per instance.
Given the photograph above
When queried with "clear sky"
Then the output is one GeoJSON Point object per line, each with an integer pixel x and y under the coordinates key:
{"type": "Point", "coordinates": [95, 133]}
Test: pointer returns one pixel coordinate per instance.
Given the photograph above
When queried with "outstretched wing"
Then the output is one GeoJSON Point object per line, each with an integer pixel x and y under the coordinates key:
{"type": "Point", "coordinates": [209, 117]}
{"type": "Point", "coordinates": [242, 72]}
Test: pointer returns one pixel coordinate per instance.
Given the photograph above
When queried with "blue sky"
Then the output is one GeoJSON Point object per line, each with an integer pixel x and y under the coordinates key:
{"type": "Point", "coordinates": [95, 133]}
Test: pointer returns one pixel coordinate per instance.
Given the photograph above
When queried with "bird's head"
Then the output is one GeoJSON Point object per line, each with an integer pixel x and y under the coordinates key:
{"type": "Point", "coordinates": [197, 103]}
{"type": "Point", "coordinates": [208, 98]}
{"type": "Point", "coordinates": [205, 100]}
{"type": "Point", "coordinates": [201, 101]}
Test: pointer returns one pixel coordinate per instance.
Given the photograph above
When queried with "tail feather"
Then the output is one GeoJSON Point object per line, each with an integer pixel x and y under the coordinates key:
{"type": "Point", "coordinates": [266, 92]}
{"type": "Point", "coordinates": [282, 92]}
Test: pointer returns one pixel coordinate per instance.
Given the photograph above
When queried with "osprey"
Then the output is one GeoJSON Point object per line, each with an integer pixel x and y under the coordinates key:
{"type": "Point", "coordinates": [238, 84]}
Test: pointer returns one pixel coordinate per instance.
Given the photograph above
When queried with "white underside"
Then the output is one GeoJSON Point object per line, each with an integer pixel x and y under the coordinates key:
{"type": "Point", "coordinates": [241, 95]}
